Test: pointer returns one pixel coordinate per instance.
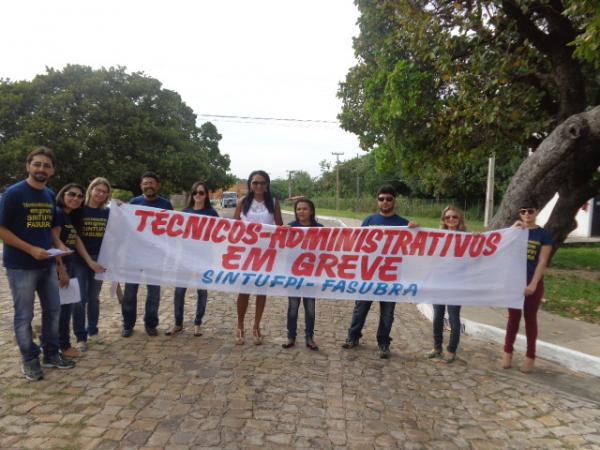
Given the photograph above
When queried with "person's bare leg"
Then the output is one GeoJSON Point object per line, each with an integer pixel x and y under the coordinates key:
{"type": "Point", "coordinates": [260, 308]}
{"type": "Point", "coordinates": [242, 307]}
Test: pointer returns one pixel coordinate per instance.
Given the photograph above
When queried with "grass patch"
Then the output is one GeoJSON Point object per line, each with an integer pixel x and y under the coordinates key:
{"type": "Point", "coordinates": [574, 296]}
{"type": "Point", "coordinates": [577, 258]}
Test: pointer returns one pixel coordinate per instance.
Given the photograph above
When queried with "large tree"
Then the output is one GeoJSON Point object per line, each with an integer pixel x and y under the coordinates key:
{"type": "Point", "coordinates": [107, 123]}
{"type": "Point", "coordinates": [442, 84]}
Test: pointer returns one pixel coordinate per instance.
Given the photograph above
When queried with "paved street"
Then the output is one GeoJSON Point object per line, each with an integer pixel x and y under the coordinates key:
{"type": "Point", "coordinates": [205, 392]}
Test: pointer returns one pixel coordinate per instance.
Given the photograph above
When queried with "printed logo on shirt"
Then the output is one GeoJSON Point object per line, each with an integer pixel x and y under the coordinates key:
{"type": "Point", "coordinates": [39, 215]}
{"type": "Point", "coordinates": [532, 249]}
{"type": "Point", "coordinates": [71, 233]}
{"type": "Point", "coordinates": [94, 227]}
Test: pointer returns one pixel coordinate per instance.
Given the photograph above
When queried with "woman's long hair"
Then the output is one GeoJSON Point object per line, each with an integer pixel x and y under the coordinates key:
{"type": "Point", "coordinates": [311, 205]}
{"type": "Point", "coordinates": [76, 215]}
{"type": "Point", "coordinates": [95, 182]}
{"type": "Point", "coordinates": [206, 197]}
{"type": "Point", "coordinates": [247, 200]}
{"type": "Point", "coordinates": [461, 218]}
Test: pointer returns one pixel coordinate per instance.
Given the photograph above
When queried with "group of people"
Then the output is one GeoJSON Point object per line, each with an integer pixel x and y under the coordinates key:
{"type": "Point", "coordinates": [33, 221]}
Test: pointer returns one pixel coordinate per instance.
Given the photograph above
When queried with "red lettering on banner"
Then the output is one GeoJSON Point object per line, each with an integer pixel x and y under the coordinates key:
{"type": "Point", "coordinates": [159, 222]}
{"type": "Point", "coordinates": [419, 243]}
{"type": "Point", "coordinates": [295, 237]}
{"type": "Point", "coordinates": [372, 240]}
{"type": "Point", "coordinates": [435, 235]}
{"type": "Point", "coordinates": [176, 219]}
{"type": "Point", "coordinates": [326, 264]}
{"type": "Point", "coordinates": [368, 271]}
{"type": "Point", "coordinates": [230, 257]}
{"type": "Point", "coordinates": [447, 243]}
{"type": "Point", "coordinates": [389, 270]}
{"type": "Point", "coordinates": [347, 263]}
{"type": "Point", "coordinates": [461, 245]}
{"type": "Point", "coordinates": [477, 244]}
{"type": "Point", "coordinates": [252, 230]}
{"type": "Point", "coordinates": [405, 237]}
{"type": "Point", "coordinates": [209, 227]}
{"type": "Point", "coordinates": [194, 227]}
{"type": "Point", "coordinates": [491, 243]}
{"type": "Point", "coordinates": [332, 238]}
{"type": "Point", "coordinates": [236, 233]}
{"type": "Point", "coordinates": [278, 237]}
{"type": "Point", "coordinates": [257, 258]}
{"type": "Point", "coordinates": [348, 237]}
{"type": "Point", "coordinates": [316, 237]}
{"type": "Point", "coordinates": [303, 265]}
{"type": "Point", "coordinates": [222, 225]}
{"type": "Point", "coordinates": [143, 214]}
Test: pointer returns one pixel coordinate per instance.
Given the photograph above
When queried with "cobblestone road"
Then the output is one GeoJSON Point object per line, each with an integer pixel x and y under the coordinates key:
{"type": "Point", "coordinates": [205, 392]}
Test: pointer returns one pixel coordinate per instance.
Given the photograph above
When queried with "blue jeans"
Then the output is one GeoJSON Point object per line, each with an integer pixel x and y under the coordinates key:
{"type": "Point", "coordinates": [66, 312]}
{"type": "Point", "coordinates": [129, 306]}
{"type": "Point", "coordinates": [89, 305]}
{"type": "Point", "coordinates": [386, 319]}
{"type": "Point", "coordinates": [179, 301]}
{"type": "Point", "coordinates": [438, 326]}
{"type": "Point", "coordinates": [23, 286]}
{"type": "Point", "coordinates": [309, 316]}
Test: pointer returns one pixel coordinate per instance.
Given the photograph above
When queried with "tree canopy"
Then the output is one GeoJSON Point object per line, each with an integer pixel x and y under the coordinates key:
{"type": "Point", "coordinates": [441, 85]}
{"type": "Point", "coordinates": [107, 123]}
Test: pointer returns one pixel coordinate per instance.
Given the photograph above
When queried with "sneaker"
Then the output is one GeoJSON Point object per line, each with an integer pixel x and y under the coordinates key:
{"type": "Point", "coordinates": [384, 351]}
{"type": "Point", "coordinates": [151, 331]}
{"type": "Point", "coordinates": [32, 370]}
{"type": "Point", "coordinates": [57, 362]}
{"type": "Point", "coordinates": [126, 332]}
{"type": "Point", "coordinates": [70, 352]}
{"type": "Point", "coordinates": [95, 339]}
{"type": "Point", "coordinates": [350, 344]}
{"type": "Point", "coordinates": [82, 346]}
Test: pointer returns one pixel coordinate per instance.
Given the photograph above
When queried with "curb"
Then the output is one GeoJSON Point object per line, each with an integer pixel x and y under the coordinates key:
{"type": "Point", "coordinates": [572, 359]}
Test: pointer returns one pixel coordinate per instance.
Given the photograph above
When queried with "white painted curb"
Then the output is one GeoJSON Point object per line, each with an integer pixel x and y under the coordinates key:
{"type": "Point", "coordinates": [572, 359]}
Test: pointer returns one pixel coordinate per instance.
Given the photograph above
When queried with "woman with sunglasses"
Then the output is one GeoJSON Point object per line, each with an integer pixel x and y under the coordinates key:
{"type": "Point", "coordinates": [539, 247]}
{"type": "Point", "coordinates": [452, 219]}
{"type": "Point", "coordinates": [304, 211]}
{"type": "Point", "coordinates": [95, 218]}
{"type": "Point", "coordinates": [258, 206]}
{"type": "Point", "coordinates": [68, 223]}
{"type": "Point", "coordinates": [199, 203]}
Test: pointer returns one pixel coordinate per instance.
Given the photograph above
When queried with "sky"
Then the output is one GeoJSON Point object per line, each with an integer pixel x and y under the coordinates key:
{"type": "Point", "coordinates": [261, 58]}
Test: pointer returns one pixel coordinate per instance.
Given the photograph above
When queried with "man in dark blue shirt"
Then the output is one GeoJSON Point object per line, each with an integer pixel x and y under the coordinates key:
{"type": "Point", "coordinates": [150, 185]}
{"type": "Point", "coordinates": [386, 217]}
{"type": "Point", "coordinates": [26, 221]}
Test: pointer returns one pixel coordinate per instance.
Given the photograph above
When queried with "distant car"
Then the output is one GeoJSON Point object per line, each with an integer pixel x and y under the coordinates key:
{"type": "Point", "coordinates": [229, 200]}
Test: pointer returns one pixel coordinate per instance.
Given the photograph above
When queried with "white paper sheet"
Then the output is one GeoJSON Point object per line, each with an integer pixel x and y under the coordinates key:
{"type": "Point", "coordinates": [70, 294]}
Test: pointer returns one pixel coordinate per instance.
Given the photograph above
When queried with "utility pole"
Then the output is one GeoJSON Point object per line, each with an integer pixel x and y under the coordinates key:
{"type": "Point", "coordinates": [290, 173]}
{"type": "Point", "coordinates": [337, 179]}
{"type": "Point", "coordinates": [489, 193]}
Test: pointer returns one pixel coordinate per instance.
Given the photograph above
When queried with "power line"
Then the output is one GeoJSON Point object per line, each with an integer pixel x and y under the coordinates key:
{"type": "Point", "coordinates": [279, 119]}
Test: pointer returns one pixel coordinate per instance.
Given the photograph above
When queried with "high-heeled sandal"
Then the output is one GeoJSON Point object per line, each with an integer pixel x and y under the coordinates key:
{"type": "Point", "coordinates": [239, 336]}
{"type": "Point", "coordinates": [257, 337]}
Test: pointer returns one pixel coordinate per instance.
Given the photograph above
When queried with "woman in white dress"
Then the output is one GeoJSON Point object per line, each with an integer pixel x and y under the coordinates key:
{"type": "Point", "coordinates": [257, 206]}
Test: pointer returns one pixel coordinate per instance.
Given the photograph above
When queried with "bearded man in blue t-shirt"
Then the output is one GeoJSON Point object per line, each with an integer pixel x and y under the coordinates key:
{"type": "Point", "coordinates": [386, 217]}
{"type": "Point", "coordinates": [150, 185]}
{"type": "Point", "coordinates": [26, 221]}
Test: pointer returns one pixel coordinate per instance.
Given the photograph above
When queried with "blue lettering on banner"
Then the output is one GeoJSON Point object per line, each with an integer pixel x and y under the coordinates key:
{"type": "Point", "coordinates": [380, 289]}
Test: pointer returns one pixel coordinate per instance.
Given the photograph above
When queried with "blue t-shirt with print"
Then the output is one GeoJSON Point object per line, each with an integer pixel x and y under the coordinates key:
{"type": "Point", "coordinates": [68, 233]}
{"type": "Point", "coordinates": [295, 223]}
{"type": "Point", "coordinates": [538, 237]}
{"type": "Point", "coordinates": [159, 202]}
{"type": "Point", "coordinates": [93, 228]}
{"type": "Point", "coordinates": [377, 220]}
{"type": "Point", "coordinates": [210, 211]}
{"type": "Point", "coordinates": [29, 214]}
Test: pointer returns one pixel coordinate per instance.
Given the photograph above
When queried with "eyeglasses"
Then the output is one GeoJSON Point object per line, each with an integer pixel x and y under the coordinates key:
{"type": "Point", "coordinates": [530, 211]}
{"type": "Point", "coordinates": [258, 183]}
{"type": "Point", "coordinates": [39, 165]}
{"type": "Point", "coordinates": [386, 199]}
{"type": "Point", "coordinates": [74, 194]}
{"type": "Point", "coordinates": [199, 193]}
{"type": "Point", "coordinates": [450, 217]}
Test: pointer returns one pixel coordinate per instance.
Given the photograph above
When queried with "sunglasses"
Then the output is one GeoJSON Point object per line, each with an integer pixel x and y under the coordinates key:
{"type": "Point", "coordinates": [259, 183]}
{"type": "Point", "coordinates": [450, 217]}
{"type": "Point", "coordinates": [386, 199]}
{"type": "Point", "coordinates": [74, 194]}
{"type": "Point", "coordinates": [199, 193]}
{"type": "Point", "coordinates": [527, 211]}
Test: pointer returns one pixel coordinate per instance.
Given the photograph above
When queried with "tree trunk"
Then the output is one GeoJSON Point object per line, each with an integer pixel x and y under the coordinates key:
{"type": "Point", "coordinates": [566, 162]}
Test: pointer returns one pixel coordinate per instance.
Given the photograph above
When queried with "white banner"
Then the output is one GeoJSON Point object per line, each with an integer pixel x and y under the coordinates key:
{"type": "Point", "coordinates": [150, 246]}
